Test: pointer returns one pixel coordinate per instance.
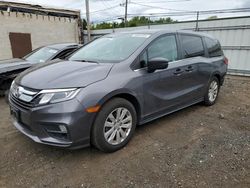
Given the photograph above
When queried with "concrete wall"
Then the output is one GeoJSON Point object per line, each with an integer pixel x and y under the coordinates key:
{"type": "Point", "coordinates": [44, 30]}
{"type": "Point", "coordinates": [233, 33]}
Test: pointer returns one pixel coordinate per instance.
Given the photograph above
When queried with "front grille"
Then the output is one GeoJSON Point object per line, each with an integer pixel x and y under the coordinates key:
{"type": "Point", "coordinates": [16, 97]}
{"type": "Point", "coordinates": [19, 103]}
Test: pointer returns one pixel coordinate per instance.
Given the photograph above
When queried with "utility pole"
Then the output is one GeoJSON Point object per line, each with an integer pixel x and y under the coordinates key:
{"type": "Point", "coordinates": [126, 13]}
{"type": "Point", "coordinates": [113, 26]}
{"type": "Point", "coordinates": [149, 22]}
{"type": "Point", "coordinates": [88, 19]}
{"type": "Point", "coordinates": [197, 21]}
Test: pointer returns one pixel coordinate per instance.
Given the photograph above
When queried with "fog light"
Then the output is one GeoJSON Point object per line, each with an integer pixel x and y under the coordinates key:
{"type": "Point", "coordinates": [63, 129]}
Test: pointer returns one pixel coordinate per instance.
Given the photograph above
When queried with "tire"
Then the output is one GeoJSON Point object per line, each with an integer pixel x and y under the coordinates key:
{"type": "Point", "coordinates": [212, 92]}
{"type": "Point", "coordinates": [106, 124]}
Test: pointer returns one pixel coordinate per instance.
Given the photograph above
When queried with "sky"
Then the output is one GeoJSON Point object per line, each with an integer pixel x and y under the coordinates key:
{"type": "Point", "coordinates": [146, 7]}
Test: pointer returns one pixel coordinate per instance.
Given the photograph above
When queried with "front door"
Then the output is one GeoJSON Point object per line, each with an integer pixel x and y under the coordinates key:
{"type": "Point", "coordinates": [165, 90]}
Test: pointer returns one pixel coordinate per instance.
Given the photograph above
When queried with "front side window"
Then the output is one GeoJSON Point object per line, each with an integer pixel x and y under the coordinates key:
{"type": "Point", "coordinates": [192, 46]}
{"type": "Point", "coordinates": [41, 55]}
{"type": "Point", "coordinates": [164, 47]}
{"type": "Point", "coordinates": [214, 48]}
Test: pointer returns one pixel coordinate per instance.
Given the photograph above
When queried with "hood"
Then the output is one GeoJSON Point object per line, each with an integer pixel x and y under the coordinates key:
{"type": "Point", "coordinates": [63, 74]}
{"type": "Point", "coordinates": [13, 64]}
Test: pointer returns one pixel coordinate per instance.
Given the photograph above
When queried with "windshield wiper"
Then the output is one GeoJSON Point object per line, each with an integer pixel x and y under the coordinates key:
{"type": "Point", "coordinates": [88, 61]}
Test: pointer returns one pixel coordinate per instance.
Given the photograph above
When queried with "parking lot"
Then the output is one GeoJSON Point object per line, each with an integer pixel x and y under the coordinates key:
{"type": "Point", "coordinates": [196, 147]}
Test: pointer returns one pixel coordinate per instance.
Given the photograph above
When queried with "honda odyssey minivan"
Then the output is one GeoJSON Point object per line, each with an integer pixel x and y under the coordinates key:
{"type": "Point", "coordinates": [103, 90]}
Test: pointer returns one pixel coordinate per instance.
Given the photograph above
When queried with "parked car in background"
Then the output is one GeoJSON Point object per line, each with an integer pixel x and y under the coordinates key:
{"type": "Point", "coordinates": [10, 68]}
{"type": "Point", "coordinates": [114, 83]}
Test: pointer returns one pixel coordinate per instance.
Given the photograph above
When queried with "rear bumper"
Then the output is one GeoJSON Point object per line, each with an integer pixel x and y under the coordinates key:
{"type": "Point", "coordinates": [41, 124]}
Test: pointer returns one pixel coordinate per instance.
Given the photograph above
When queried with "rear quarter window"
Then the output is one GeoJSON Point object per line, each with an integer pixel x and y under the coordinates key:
{"type": "Point", "coordinates": [214, 47]}
{"type": "Point", "coordinates": [192, 46]}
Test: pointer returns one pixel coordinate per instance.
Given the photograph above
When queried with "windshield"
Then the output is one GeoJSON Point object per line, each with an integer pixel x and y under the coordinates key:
{"type": "Point", "coordinates": [41, 55]}
{"type": "Point", "coordinates": [110, 49]}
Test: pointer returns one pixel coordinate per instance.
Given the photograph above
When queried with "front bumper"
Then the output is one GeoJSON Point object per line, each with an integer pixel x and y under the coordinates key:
{"type": "Point", "coordinates": [41, 124]}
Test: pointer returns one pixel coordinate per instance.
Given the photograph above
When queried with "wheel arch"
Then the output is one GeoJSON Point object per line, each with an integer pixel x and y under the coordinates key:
{"type": "Point", "coordinates": [125, 94]}
{"type": "Point", "coordinates": [218, 76]}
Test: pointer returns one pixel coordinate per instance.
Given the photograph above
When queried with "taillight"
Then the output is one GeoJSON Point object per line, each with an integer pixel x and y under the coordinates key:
{"type": "Point", "coordinates": [226, 61]}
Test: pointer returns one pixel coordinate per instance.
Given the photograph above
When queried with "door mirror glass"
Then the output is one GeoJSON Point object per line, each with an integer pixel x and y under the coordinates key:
{"type": "Point", "coordinates": [157, 64]}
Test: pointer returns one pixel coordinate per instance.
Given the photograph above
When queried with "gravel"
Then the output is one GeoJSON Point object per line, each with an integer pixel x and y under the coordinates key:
{"type": "Point", "coordinates": [195, 147]}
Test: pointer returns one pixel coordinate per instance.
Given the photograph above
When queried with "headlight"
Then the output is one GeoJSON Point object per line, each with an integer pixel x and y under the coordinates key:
{"type": "Point", "coordinates": [12, 85]}
{"type": "Point", "coordinates": [57, 95]}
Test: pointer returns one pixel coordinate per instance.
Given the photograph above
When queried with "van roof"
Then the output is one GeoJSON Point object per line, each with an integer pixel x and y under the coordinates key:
{"type": "Point", "coordinates": [163, 31]}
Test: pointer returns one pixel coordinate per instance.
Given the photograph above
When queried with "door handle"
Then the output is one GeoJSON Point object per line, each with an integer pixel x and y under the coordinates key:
{"type": "Point", "coordinates": [178, 72]}
{"type": "Point", "coordinates": [189, 69]}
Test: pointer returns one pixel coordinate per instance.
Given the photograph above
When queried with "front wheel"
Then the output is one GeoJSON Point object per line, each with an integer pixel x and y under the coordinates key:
{"type": "Point", "coordinates": [212, 92]}
{"type": "Point", "coordinates": [114, 125]}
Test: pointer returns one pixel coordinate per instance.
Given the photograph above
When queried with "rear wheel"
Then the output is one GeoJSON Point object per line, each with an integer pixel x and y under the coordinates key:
{"type": "Point", "coordinates": [114, 125]}
{"type": "Point", "coordinates": [212, 92]}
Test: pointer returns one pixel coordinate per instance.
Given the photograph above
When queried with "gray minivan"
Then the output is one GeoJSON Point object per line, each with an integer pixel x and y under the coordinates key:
{"type": "Point", "coordinates": [114, 83]}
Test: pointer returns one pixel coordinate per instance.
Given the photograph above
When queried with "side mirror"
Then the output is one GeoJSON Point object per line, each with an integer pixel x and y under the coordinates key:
{"type": "Point", "coordinates": [156, 64]}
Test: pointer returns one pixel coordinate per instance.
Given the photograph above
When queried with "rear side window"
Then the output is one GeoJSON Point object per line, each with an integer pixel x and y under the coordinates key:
{"type": "Point", "coordinates": [214, 48]}
{"type": "Point", "coordinates": [192, 46]}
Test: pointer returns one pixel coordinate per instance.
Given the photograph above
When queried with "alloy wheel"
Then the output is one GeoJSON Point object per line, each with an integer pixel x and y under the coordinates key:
{"type": "Point", "coordinates": [213, 91]}
{"type": "Point", "coordinates": [117, 126]}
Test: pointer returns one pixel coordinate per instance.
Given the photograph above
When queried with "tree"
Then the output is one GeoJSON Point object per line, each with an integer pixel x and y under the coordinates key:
{"type": "Point", "coordinates": [164, 21]}
{"type": "Point", "coordinates": [84, 24]}
{"type": "Point", "coordinates": [135, 21]}
{"type": "Point", "coordinates": [103, 25]}
{"type": "Point", "coordinates": [138, 21]}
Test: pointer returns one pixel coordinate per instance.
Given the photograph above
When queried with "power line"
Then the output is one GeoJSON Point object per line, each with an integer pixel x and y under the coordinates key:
{"type": "Point", "coordinates": [108, 19]}
{"type": "Point", "coordinates": [156, 7]}
{"type": "Point", "coordinates": [179, 12]}
{"type": "Point", "coordinates": [116, 6]}
{"type": "Point", "coordinates": [195, 12]}
{"type": "Point", "coordinates": [184, 13]}
{"type": "Point", "coordinates": [107, 4]}
{"type": "Point", "coordinates": [101, 10]}
{"type": "Point", "coordinates": [175, 1]}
